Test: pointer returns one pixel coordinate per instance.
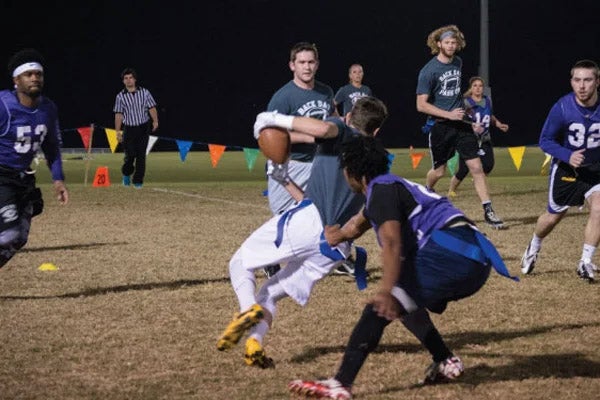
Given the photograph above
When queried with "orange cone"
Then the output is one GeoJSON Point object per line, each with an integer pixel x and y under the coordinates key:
{"type": "Point", "coordinates": [101, 179]}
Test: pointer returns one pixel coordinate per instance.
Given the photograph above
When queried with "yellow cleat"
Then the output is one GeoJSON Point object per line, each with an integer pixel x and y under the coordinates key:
{"type": "Point", "coordinates": [452, 194]}
{"type": "Point", "coordinates": [239, 325]}
{"type": "Point", "coordinates": [255, 355]}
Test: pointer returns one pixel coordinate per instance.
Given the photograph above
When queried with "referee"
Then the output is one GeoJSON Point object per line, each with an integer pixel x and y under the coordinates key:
{"type": "Point", "coordinates": [134, 108]}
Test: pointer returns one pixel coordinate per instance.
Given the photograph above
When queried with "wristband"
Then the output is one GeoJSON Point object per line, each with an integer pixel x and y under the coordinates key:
{"type": "Point", "coordinates": [284, 121]}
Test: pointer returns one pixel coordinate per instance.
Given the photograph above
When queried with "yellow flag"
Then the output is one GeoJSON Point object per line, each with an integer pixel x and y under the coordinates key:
{"type": "Point", "coordinates": [516, 153]}
{"type": "Point", "coordinates": [111, 135]}
{"type": "Point", "coordinates": [546, 165]}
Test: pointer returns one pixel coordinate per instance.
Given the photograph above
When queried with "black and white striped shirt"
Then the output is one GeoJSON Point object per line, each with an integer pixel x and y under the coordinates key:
{"type": "Point", "coordinates": [134, 106]}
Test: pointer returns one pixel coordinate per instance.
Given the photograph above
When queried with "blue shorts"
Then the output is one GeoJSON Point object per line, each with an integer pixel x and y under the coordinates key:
{"type": "Point", "coordinates": [437, 275]}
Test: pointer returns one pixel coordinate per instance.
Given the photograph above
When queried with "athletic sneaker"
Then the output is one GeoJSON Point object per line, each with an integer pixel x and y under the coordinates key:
{"type": "Point", "coordinates": [528, 260]}
{"type": "Point", "coordinates": [452, 194]}
{"type": "Point", "coordinates": [444, 371]}
{"type": "Point", "coordinates": [327, 389]}
{"type": "Point", "coordinates": [126, 180]}
{"type": "Point", "coordinates": [491, 218]}
{"type": "Point", "coordinates": [239, 325]}
{"type": "Point", "coordinates": [271, 270]}
{"type": "Point", "coordinates": [138, 185]}
{"type": "Point", "coordinates": [346, 268]}
{"type": "Point", "coordinates": [585, 270]}
{"type": "Point", "coordinates": [255, 355]}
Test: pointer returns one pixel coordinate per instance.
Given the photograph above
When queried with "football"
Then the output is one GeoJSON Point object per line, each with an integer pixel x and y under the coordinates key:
{"type": "Point", "coordinates": [275, 144]}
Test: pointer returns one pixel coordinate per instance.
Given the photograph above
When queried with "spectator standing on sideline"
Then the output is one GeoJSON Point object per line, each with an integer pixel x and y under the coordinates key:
{"type": "Point", "coordinates": [135, 113]}
{"type": "Point", "coordinates": [432, 254]}
{"type": "Point", "coordinates": [570, 136]}
{"type": "Point", "coordinates": [296, 236]}
{"type": "Point", "coordinates": [479, 108]}
{"type": "Point", "coordinates": [439, 96]}
{"type": "Point", "coordinates": [28, 123]}
{"type": "Point", "coordinates": [348, 94]}
{"type": "Point", "coordinates": [306, 97]}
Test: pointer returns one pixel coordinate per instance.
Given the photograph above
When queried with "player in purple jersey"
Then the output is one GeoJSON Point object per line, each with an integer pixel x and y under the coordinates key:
{"type": "Point", "coordinates": [419, 233]}
{"type": "Point", "coordinates": [28, 124]}
{"type": "Point", "coordinates": [571, 135]}
{"type": "Point", "coordinates": [479, 108]}
{"type": "Point", "coordinates": [295, 238]}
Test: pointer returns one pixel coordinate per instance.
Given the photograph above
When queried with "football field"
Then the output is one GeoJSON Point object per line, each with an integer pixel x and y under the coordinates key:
{"type": "Point", "coordinates": [142, 292]}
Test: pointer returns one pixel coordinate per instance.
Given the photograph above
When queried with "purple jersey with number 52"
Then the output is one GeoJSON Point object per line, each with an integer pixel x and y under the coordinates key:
{"type": "Point", "coordinates": [24, 131]}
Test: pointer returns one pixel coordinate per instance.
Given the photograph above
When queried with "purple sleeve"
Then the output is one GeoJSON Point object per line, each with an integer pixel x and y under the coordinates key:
{"type": "Point", "coordinates": [51, 149]}
{"type": "Point", "coordinates": [551, 136]}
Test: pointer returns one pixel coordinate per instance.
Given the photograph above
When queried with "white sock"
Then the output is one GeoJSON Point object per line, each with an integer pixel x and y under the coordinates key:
{"type": "Point", "coordinates": [536, 242]}
{"type": "Point", "coordinates": [259, 331]}
{"type": "Point", "coordinates": [588, 253]}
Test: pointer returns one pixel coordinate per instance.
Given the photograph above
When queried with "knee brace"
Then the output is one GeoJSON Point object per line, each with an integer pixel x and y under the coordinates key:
{"type": "Point", "coordinates": [10, 237]}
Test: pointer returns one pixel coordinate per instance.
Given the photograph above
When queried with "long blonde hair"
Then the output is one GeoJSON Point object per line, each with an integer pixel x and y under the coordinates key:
{"type": "Point", "coordinates": [435, 37]}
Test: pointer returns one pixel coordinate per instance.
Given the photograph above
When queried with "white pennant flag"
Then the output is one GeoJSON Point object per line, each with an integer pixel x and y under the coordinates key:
{"type": "Point", "coordinates": [151, 140]}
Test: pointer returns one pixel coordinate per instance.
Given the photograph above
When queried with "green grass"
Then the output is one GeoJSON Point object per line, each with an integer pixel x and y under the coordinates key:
{"type": "Point", "coordinates": [167, 167]}
{"type": "Point", "coordinates": [142, 293]}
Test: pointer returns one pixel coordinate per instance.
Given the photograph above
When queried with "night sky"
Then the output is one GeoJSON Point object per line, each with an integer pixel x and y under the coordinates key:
{"type": "Point", "coordinates": [213, 67]}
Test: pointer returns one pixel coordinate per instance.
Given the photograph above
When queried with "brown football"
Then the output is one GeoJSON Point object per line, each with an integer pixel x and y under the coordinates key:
{"type": "Point", "coordinates": [275, 144]}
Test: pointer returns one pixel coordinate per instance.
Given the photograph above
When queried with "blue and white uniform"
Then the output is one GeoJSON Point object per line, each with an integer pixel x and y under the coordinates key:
{"type": "Point", "coordinates": [480, 112]}
{"type": "Point", "coordinates": [295, 238]}
{"type": "Point", "coordinates": [570, 127]}
{"type": "Point", "coordinates": [23, 132]}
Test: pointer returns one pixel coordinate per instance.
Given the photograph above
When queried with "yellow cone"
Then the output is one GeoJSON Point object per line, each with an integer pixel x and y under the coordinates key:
{"type": "Point", "coordinates": [47, 267]}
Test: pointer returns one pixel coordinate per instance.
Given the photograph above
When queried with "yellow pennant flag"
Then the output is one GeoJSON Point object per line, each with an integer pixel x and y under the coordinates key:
{"type": "Point", "coordinates": [516, 153]}
{"type": "Point", "coordinates": [546, 165]}
{"type": "Point", "coordinates": [111, 135]}
{"type": "Point", "coordinates": [216, 151]}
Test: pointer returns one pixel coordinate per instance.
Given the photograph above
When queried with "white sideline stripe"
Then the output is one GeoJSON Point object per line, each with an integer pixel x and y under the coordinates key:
{"type": "Point", "coordinates": [197, 196]}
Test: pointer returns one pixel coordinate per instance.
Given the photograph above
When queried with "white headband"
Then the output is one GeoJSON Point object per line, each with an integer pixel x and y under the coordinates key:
{"type": "Point", "coordinates": [29, 66]}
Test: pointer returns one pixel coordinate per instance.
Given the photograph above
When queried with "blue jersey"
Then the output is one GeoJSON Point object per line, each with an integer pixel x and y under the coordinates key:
{"type": "Point", "coordinates": [315, 103]}
{"type": "Point", "coordinates": [428, 210]}
{"type": "Point", "coordinates": [480, 113]}
{"type": "Point", "coordinates": [24, 131]}
{"type": "Point", "coordinates": [571, 127]}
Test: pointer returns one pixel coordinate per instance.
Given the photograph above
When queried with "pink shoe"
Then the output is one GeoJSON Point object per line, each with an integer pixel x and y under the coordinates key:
{"type": "Point", "coordinates": [326, 389]}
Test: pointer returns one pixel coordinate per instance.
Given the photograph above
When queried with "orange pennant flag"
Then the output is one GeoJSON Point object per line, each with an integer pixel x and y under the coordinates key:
{"type": "Point", "coordinates": [85, 133]}
{"type": "Point", "coordinates": [416, 159]}
{"type": "Point", "coordinates": [216, 151]}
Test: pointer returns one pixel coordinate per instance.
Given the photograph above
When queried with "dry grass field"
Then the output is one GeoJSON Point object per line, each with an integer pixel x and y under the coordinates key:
{"type": "Point", "coordinates": [142, 292]}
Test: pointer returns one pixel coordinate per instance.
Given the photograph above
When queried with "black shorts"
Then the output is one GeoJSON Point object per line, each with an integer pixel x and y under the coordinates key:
{"type": "Point", "coordinates": [446, 137]}
{"type": "Point", "coordinates": [17, 192]}
{"type": "Point", "coordinates": [569, 186]}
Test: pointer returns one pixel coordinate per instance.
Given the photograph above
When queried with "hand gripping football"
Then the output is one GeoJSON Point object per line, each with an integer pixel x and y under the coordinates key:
{"type": "Point", "coordinates": [275, 144]}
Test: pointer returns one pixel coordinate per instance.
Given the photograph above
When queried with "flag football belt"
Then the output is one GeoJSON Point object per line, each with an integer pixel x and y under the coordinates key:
{"type": "Point", "coordinates": [485, 253]}
{"type": "Point", "coordinates": [360, 271]}
{"type": "Point", "coordinates": [360, 262]}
